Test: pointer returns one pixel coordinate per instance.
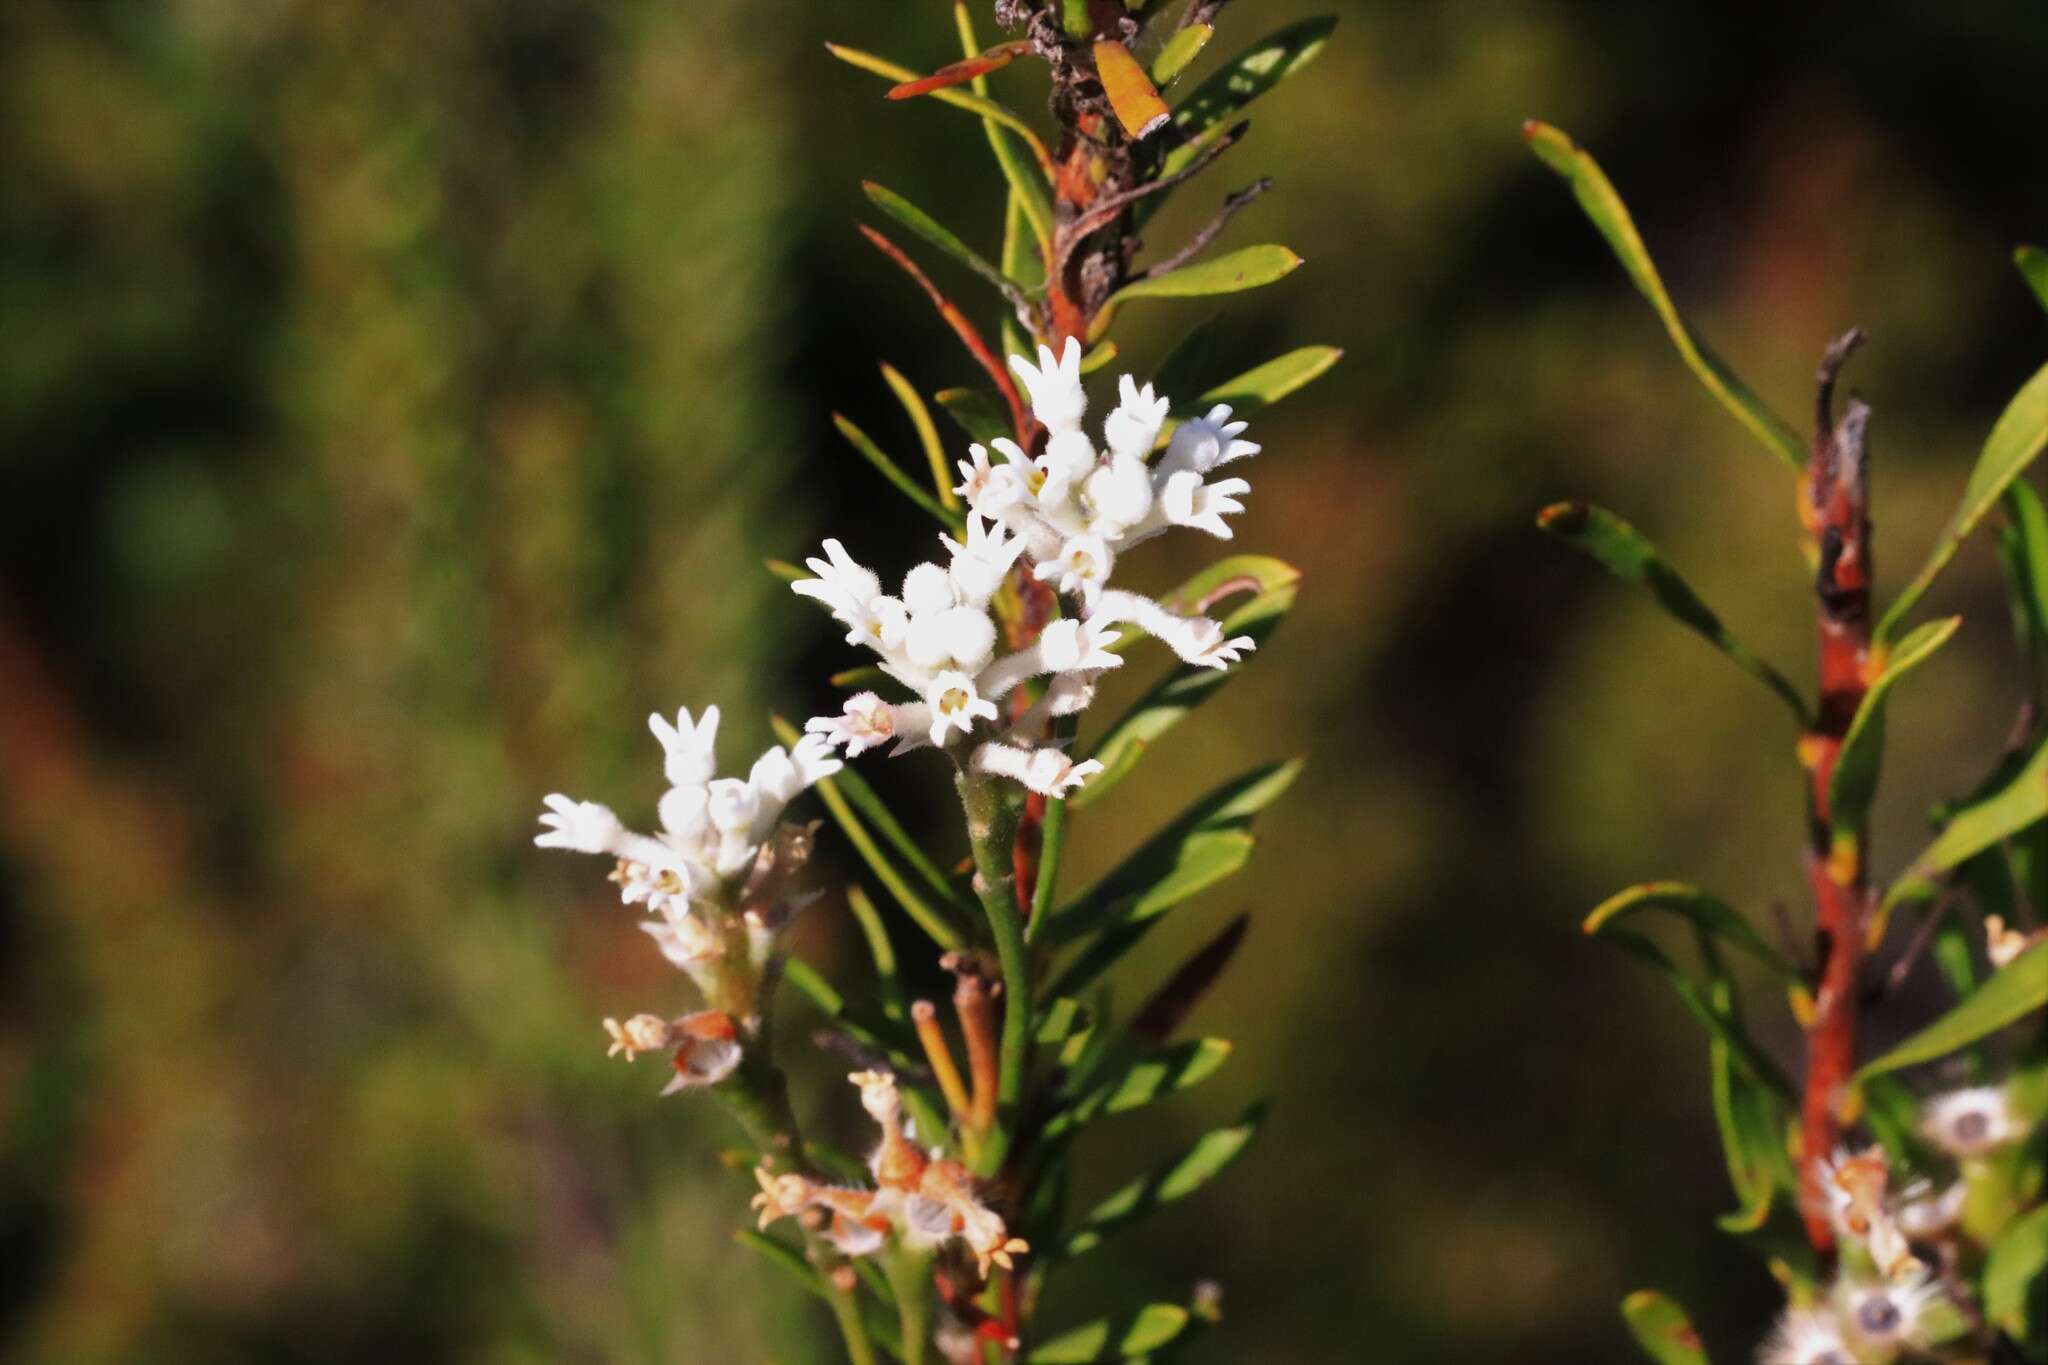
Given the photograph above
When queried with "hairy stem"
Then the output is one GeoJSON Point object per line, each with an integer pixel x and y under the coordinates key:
{"type": "Point", "coordinates": [991, 829]}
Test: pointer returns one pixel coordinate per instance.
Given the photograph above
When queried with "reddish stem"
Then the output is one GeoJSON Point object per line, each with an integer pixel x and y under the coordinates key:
{"type": "Point", "coordinates": [962, 328]}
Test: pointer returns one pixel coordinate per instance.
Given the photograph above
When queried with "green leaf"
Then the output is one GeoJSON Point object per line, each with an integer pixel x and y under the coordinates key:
{"type": "Point", "coordinates": [2019, 435]}
{"type": "Point", "coordinates": [1264, 385]}
{"type": "Point", "coordinates": [940, 236]}
{"type": "Point", "coordinates": [927, 435]}
{"type": "Point", "coordinates": [1145, 1329]}
{"type": "Point", "coordinates": [2016, 1277]}
{"type": "Point", "coordinates": [1176, 1180]}
{"type": "Point", "coordinates": [1245, 268]}
{"type": "Point", "coordinates": [1710, 914]}
{"type": "Point", "coordinates": [1179, 51]}
{"type": "Point", "coordinates": [1205, 843]}
{"type": "Point", "coordinates": [1138, 1081]}
{"type": "Point", "coordinates": [987, 108]}
{"type": "Point", "coordinates": [2033, 264]}
{"type": "Point", "coordinates": [1061, 1020]}
{"type": "Point", "coordinates": [1977, 827]}
{"type": "Point", "coordinates": [880, 949]}
{"type": "Point", "coordinates": [2023, 554]}
{"type": "Point", "coordinates": [1662, 1329]}
{"type": "Point", "coordinates": [1596, 195]}
{"type": "Point", "coordinates": [2009, 994]}
{"type": "Point", "coordinates": [1163, 706]}
{"type": "Point", "coordinates": [893, 472]}
{"type": "Point", "coordinates": [1628, 554]}
{"type": "Point", "coordinates": [1719, 1025]}
{"type": "Point", "coordinates": [783, 1257]}
{"type": "Point", "coordinates": [978, 414]}
{"type": "Point", "coordinates": [1241, 80]}
{"type": "Point", "coordinates": [1027, 193]}
{"type": "Point", "coordinates": [1854, 783]}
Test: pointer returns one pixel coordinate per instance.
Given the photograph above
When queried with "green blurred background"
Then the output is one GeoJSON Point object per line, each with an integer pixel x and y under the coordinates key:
{"type": "Point", "coordinates": [397, 402]}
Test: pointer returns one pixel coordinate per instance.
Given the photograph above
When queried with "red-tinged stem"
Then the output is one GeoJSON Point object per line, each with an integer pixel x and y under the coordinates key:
{"type": "Point", "coordinates": [962, 328]}
{"type": "Point", "coordinates": [1836, 511]}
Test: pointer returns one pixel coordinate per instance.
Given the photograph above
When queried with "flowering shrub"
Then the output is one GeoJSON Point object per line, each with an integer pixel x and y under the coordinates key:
{"type": "Point", "coordinates": [1905, 1220]}
{"type": "Point", "coordinates": [989, 654]}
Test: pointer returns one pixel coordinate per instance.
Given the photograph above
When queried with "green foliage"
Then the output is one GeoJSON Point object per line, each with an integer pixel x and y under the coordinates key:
{"type": "Point", "coordinates": [2008, 995]}
{"type": "Point", "coordinates": [1854, 784]}
{"type": "Point", "coordinates": [1246, 268]}
{"type": "Point", "coordinates": [1143, 1330]}
{"type": "Point", "coordinates": [2016, 1277]}
{"type": "Point", "coordinates": [1662, 1329]}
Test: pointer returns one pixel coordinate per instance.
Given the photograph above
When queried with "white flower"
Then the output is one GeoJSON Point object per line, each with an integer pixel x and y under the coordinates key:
{"type": "Point", "coordinates": [927, 588]}
{"type": "Point", "coordinates": [1047, 770]}
{"type": "Point", "coordinates": [1068, 461]}
{"type": "Point", "coordinates": [1972, 1122]}
{"type": "Point", "coordinates": [641, 1033]}
{"type": "Point", "coordinates": [1924, 1214]}
{"type": "Point", "coordinates": [683, 815]}
{"type": "Point", "coordinates": [955, 704]}
{"type": "Point", "coordinates": [732, 805]}
{"type": "Point", "coordinates": [1057, 398]}
{"type": "Point", "coordinates": [1196, 639]}
{"type": "Point", "coordinates": [1187, 501]}
{"type": "Point", "coordinates": [684, 940]}
{"type": "Point", "coordinates": [1806, 1337]}
{"type": "Point", "coordinates": [979, 565]}
{"type": "Point", "coordinates": [963, 637]}
{"type": "Point", "coordinates": [689, 751]}
{"type": "Point", "coordinates": [1120, 495]}
{"type": "Point", "coordinates": [864, 722]}
{"type": "Point", "coordinates": [579, 826]}
{"type": "Point", "coordinates": [1073, 646]}
{"type": "Point", "coordinates": [1887, 1315]}
{"type": "Point", "coordinates": [844, 586]}
{"type": "Point", "coordinates": [778, 775]}
{"type": "Point", "coordinates": [1082, 569]}
{"type": "Point", "coordinates": [1202, 443]}
{"type": "Point", "coordinates": [1131, 430]}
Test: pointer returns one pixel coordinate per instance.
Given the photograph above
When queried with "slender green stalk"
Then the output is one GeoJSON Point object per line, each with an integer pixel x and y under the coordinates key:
{"type": "Point", "coordinates": [910, 1280]}
{"type": "Point", "coordinates": [991, 830]}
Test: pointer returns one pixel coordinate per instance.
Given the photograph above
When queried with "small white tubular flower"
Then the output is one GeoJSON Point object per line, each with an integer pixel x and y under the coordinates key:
{"type": "Point", "coordinates": [579, 826]}
{"type": "Point", "coordinates": [779, 774]}
{"type": "Point", "coordinates": [1972, 1122]}
{"type": "Point", "coordinates": [846, 587]}
{"type": "Point", "coordinates": [684, 940]}
{"type": "Point", "coordinates": [683, 815]}
{"type": "Point", "coordinates": [1196, 639]}
{"type": "Point", "coordinates": [958, 637]}
{"type": "Point", "coordinates": [1886, 1316]}
{"type": "Point", "coordinates": [1082, 569]}
{"type": "Point", "coordinates": [927, 588]}
{"type": "Point", "coordinates": [1074, 646]}
{"type": "Point", "coordinates": [733, 805]}
{"type": "Point", "coordinates": [689, 751]}
{"type": "Point", "coordinates": [1806, 1337]}
{"type": "Point", "coordinates": [1854, 1187]}
{"type": "Point", "coordinates": [1132, 428]}
{"type": "Point", "coordinates": [979, 565]}
{"type": "Point", "coordinates": [1924, 1214]}
{"type": "Point", "coordinates": [1047, 771]}
{"type": "Point", "coordinates": [1187, 501]}
{"type": "Point", "coordinates": [1068, 461]}
{"type": "Point", "coordinates": [641, 1033]}
{"type": "Point", "coordinates": [1202, 443]}
{"type": "Point", "coordinates": [1054, 385]}
{"type": "Point", "coordinates": [955, 705]}
{"type": "Point", "coordinates": [1119, 494]}
{"type": "Point", "coordinates": [863, 723]}
{"type": "Point", "coordinates": [1069, 694]}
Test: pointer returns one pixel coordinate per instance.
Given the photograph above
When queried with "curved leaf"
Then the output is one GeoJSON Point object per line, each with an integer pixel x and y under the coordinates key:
{"type": "Point", "coordinates": [1628, 554]}
{"type": "Point", "coordinates": [1983, 825]}
{"type": "Point", "coordinates": [2023, 554]}
{"type": "Point", "coordinates": [2009, 994]}
{"type": "Point", "coordinates": [1241, 80]}
{"type": "Point", "coordinates": [959, 99]}
{"type": "Point", "coordinates": [1854, 783]}
{"type": "Point", "coordinates": [1176, 1180]}
{"type": "Point", "coordinates": [1132, 96]}
{"type": "Point", "coordinates": [927, 435]}
{"type": "Point", "coordinates": [2020, 434]}
{"type": "Point", "coordinates": [978, 413]}
{"type": "Point", "coordinates": [2033, 264]}
{"type": "Point", "coordinates": [1179, 52]}
{"type": "Point", "coordinates": [1710, 914]}
{"type": "Point", "coordinates": [1264, 385]}
{"type": "Point", "coordinates": [1597, 196]}
{"type": "Point", "coordinates": [2016, 1276]}
{"type": "Point", "coordinates": [1719, 1025]}
{"type": "Point", "coordinates": [1134, 1334]}
{"type": "Point", "coordinates": [1662, 1329]}
{"type": "Point", "coordinates": [1140, 1080]}
{"type": "Point", "coordinates": [893, 472]}
{"type": "Point", "coordinates": [935, 232]}
{"type": "Point", "coordinates": [1245, 268]}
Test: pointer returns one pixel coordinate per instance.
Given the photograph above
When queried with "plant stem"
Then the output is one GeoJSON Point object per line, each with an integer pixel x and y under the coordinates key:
{"type": "Point", "coordinates": [910, 1277]}
{"type": "Point", "coordinates": [991, 828]}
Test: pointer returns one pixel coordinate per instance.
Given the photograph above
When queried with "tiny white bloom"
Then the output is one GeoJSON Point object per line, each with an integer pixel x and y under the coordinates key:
{"type": "Point", "coordinates": [1066, 464]}
{"type": "Point", "coordinates": [1070, 646]}
{"type": "Point", "coordinates": [580, 826]}
{"type": "Point", "coordinates": [955, 705]}
{"type": "Point", "coordinates": [1202, 443]}
{"type": "Point", "coordinates": [927, 588]}
{"type": "Point", "coordinates": [641, 1033]}
{"type": "Point", "coordinates": [1120, 494]}
{"type": "Point", "coordinates": [842, 584]}
{"type": "Point", "coordinates": [1082, 568]}
{"type": "Point", "coordinates": [1972, 1122]}
{"type": "Point", "coordinates": [683, 940]}
{"type": "Point", "coordinates": [1187, 501]}
{"type": "Point", "coordinates": [701, 1062]}
{"type": "Point", "coordinates": [732, 805]}
{"type": "Point", "coordinates": [1131, 430]}
{"type": "Point", "coordinates": [1806, 1337]}
{"type": "Point", "coordinates": [682, 813]}
{"type": "Point", "coordinates": [1044, 770]}
{"type": "Point", "coordinates": [864, 722]}
{"type": "Point", "coordinates": [689, 751]}
{"type": "Point", "coordinates": [980, 564]}
{"type": "Point", "coordinates": [1057, 398]}
{"type": "Point", "coordinates": [1887, 1315]}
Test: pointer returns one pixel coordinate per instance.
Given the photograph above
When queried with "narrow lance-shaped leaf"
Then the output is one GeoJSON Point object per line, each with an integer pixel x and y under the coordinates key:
{"type": "Point", "coordinates": [1179, 52]}
{"type": "Point", "coordinates": [1597, 196]}
{"type": "Point", "coordinates": [1215, 102]}
{"type": "Point", "coordinates": [1141, 1080]}
{"type": "Point", "coordinates": [2033, 264]}
{"type": "Point", "coordinates": [1983, 825]}
{"type": "Point", "coordinates": [963, 72]}
{"type": "Point", "coordinates": [1628, 554]}
{"type": "Point", "coordinates": [927, 436]}
{"type": "Point", "coordinates": [959, 99]}
{"type": "Point", "coordinates": [1163, 706]}
{"type": "Point", "coordinates": [1743, 1050]}
{"type": "Point", "coordinates": [1662, 1329]}
{"type": "Point", "coordinates": [2019, 435]}
{"type": "Point", "coordinates": [2023, 555]}
{"type": "Point", "coordinates": [893, 472]}
{"type": "Point", "coordinates": [937, 233]}
{"type": "Point", "coordinates": [977, 413]}
{"type": "Point", "coordinates": [1264, 385]}
{"type": "Point", "coordinates": [1136, 1333]}
{"type": "Point", "coordinates": [1709, 914]}
{"type": "Point", "coordinates": [2015, 1273]}
{"type": "Point", "coordinates": [1854, 783]}
{"type": "Point", "coordinates": [1246, 268]}
{"type": "Point", "coordinates": [1176, 1180]}
{"type": "Point", "coordinates": [2008, 995]}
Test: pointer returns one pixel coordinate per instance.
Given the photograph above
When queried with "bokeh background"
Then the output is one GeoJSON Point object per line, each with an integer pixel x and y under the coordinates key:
{"type": "Point", "coordinates": [397, 402]}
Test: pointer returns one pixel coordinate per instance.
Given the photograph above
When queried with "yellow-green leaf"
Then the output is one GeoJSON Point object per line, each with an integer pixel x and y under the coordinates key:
{"type": "Point", "coordinates": [1241, 80]}
{"type": "Point", "coordinates": [2033, 264]}
{"type": "Point", "coordinates": [2009, 994]}
{"type": "Point", "coordinates": [1135, 1334]}
{"type": "Point", "coordinates": [1854, 783]}
{"type": "Point", "coordinates": [1662, 1329]}
{"type": "Point", "coordinates": [1264, 385]}
{"type": "Point", "coordinates": [2016, 1277]}
{"type": "Point", "coordinates": [1984, 824]}
{"type": "Point", "coordinates": [1246, 268]}
{"type": "Point", "coordinates": [1176, 1180]}
{"type": "Point", "coordinates": [1142, 1079]}
{"type": "Point", "coordinates": [1597, 196]}
{"type": "Point", "coordinates": [1180, 51]}
{"type": "Point", "coordinates": [1710, 914]}
{"type": "Point", "coordinates": [935, 232]}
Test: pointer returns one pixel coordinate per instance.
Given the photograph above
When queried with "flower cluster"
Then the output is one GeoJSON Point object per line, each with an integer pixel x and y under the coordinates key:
{"type": "Point", "coordinates": [713, 880]}
{"type": "Point", "coordinates": [1067, 514]}
{"type": "Point", "coordinates": [1887, 1302]}
{"type": "Point", "coordinates": [920, 1200]}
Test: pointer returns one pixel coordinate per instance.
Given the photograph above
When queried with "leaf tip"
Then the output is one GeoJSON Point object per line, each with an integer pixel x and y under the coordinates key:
{"type": "Point", "coordinates": [1563, 518]}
